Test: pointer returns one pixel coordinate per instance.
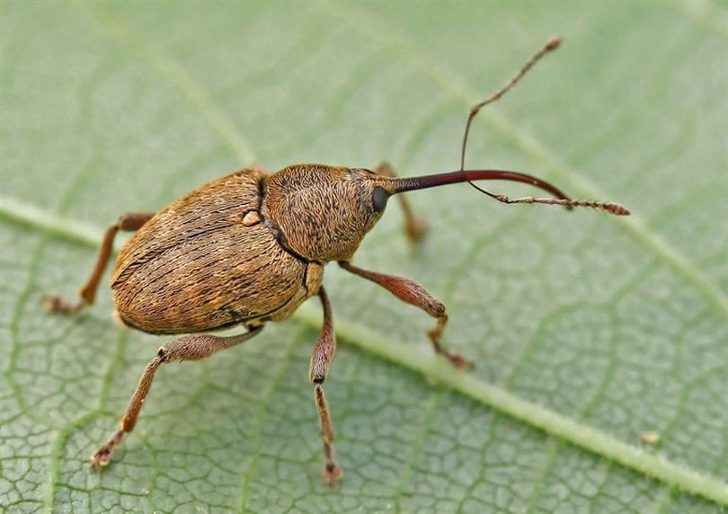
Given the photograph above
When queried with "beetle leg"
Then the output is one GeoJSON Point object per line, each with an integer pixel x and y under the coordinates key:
{"type": "Point", "coordinates": [187, 348]}
{"type": "Point", "coordinates": [323, 353]}
{"type": "Point", "coordinates": [415, 227]}
{"type": "Point", "coordinates": [413, 293]}
{"type": "Point", "coordinates": [128, 222]}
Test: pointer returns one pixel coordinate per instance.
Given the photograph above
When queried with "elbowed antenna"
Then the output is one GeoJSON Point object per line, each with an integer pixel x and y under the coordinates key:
{"type": "Point", "coordinates": [551, 45]}
{"type": "Point", "coordinates": [401, 185]}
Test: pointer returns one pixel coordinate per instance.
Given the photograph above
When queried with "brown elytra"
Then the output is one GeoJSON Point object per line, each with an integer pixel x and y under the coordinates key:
{"type": "Point", "coordinates": [250, 247]}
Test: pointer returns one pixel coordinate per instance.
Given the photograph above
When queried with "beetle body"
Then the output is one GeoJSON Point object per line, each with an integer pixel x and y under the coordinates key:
{"type": "Point", "coordinates": [244, 249]}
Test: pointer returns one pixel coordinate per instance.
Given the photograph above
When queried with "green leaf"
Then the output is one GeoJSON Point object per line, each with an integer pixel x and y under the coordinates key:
{"type": "Point", "coordinates": [587, 330]}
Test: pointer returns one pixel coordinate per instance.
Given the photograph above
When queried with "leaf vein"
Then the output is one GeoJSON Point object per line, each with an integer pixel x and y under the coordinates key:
{"type": "Point", "coordinates": [634, 225]}
{"type": "Point", "coordinates": [160, 62]}
{"type": "Point", "coordinates": [578, 434]}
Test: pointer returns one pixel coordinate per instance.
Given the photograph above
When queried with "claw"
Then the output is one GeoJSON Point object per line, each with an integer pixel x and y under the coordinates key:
{"type": "Point", "coordinates": [59, 305]}
{"type": "Point", "coordinates": [103, 455]}
{"type": "Point", "coordinates": [458, 360]}
{"type": "Point", "coordinates": [416, 230]}
{"type": "Point", "coordinates": [332, 473]}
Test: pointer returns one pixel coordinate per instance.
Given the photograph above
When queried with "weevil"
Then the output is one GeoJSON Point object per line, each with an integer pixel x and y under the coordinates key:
{"type": "Point", "coordinates": [250, 247]}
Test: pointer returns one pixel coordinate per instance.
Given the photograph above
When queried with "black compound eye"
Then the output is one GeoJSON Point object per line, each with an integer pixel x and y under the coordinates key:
{"type": "Point", "coordinates": [379, 199]}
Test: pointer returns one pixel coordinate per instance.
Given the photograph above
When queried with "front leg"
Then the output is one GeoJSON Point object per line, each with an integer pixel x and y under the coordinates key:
{"type": "Point", "coordinates": [413, 293]}
{"type": "Point", "coordinates": [323, 353]}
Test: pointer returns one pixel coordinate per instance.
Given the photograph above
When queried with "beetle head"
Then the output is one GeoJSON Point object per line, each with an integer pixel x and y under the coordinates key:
{"type": "Point", "coordinates": [321, 212]}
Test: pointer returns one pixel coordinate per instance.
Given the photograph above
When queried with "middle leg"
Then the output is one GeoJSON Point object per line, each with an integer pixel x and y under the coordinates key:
{"type": "Point", "coordinates": [323, 353]}
{"type": "Point", "coordinates": [187, 348]}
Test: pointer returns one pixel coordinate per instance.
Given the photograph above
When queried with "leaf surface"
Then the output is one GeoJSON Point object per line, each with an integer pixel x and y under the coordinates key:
{"type": "Point", "coordinates": [587, 330]}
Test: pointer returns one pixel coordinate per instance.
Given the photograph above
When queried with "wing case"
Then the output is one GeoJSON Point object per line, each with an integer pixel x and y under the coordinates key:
{"type": "Point", "coordinates": [195, 266]}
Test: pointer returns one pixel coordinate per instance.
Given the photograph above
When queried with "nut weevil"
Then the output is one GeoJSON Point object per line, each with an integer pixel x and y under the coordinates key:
{"type": "Point", "coordinates": [250, 248]}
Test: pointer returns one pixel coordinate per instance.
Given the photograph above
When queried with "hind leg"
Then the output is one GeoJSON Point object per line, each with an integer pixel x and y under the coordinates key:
{"type": "Point", "coordinates": [130, 221]}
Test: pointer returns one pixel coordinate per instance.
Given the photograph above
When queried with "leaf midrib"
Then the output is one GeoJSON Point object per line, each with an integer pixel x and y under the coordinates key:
{"type": "Point", "coordinates": [434, 369]}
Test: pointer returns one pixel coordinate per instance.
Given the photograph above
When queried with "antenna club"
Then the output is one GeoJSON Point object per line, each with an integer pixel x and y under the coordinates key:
{"type": "Point", "coordinates": [616, 209]}
{"type": "Point", "coordinates": [554, 43]}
